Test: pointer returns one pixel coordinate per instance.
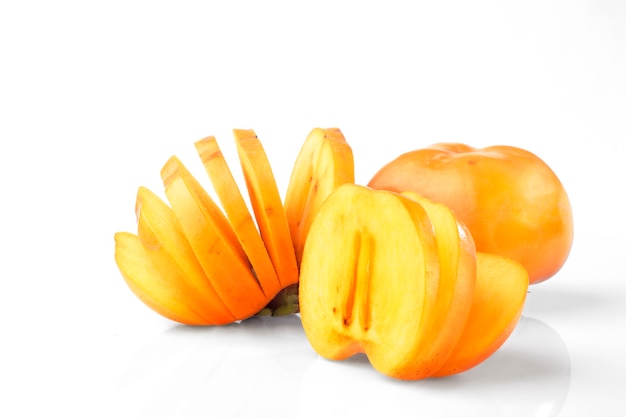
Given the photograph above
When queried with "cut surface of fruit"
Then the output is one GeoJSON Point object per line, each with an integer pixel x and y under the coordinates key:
{"type": "Point", "coordinates": [369, 279]}
{"type": "Point", "coordinates": [149, 285]}
{"type": "Point", "coordinates": [165, 243]}
{"type": "Point", "coordinates": [213, 241]}
{"type": "Point", "coordinates": [324, 162]}
{"type": "Point", "coordinates": [499, 296]}
{"type": "Point", "coordinates": [237, 211]}
{"type": "Point", "coordinates": [267, 205]}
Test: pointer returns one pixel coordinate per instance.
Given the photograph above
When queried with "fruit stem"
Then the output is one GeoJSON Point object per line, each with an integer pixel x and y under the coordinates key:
{"type": "Point", "coordinates": [285, 303]}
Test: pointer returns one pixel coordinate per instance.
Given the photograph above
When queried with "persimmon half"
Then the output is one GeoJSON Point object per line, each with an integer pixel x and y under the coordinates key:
{"type": "Point", "coordinates": [512, 202]}
{"type": "Point", "coordinates": [396, 277]}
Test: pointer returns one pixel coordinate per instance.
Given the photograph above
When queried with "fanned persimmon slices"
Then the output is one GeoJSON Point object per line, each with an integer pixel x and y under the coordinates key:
{"type": "Point", "coordinates": [197, 263]}
{"type": "Point", "coordinates": [213, 241]}
{"type": "Point", "coordinates": [170, 251]}
{"type": "Point", "coordinates": [324, 162]}
{"type": "Point", "coordinates": [237, 212]}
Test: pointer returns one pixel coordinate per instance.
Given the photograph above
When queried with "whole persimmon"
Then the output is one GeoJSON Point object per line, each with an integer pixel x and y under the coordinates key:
{"type": "Point", "coordinates": [511, 201]}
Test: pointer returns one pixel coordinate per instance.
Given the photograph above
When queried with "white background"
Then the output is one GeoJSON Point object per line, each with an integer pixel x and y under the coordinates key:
{"type": "Point", "coordinates": [95, 96]}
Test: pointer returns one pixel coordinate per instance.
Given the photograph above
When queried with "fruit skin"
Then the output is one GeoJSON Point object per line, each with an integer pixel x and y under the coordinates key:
{"type": "Point", "coordinates": [457, 280]}
{"type": "Point", "coordinates": [497, 305]}
{"type": "Point", "coordinates": [193, 263]}
{"type": "Point", "coordinates": [512, 202]}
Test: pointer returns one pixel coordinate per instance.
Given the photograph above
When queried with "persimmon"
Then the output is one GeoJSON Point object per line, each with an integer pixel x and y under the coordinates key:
{"type": "Point", "coordinates": [213, 241]}
{"type": "Point", "coordinates": [165, 296]}
{"type": "Point", "coordinates": [397, 277]}
{"type": "Point", "coordinates": [196, 264]}
{"type": "Point", "coordinates": [161, 234]}
{"type": "Point", "coordinates": [238, 214]}
{"type": "Point", "coordinates": [369, 277]}
{"type": "Point", "coordinates": [512, 202]}
{"type": "Point", "coordinates": [394, 275]}
{"type": "Point", "coordinates": [457, 277]}
{"type": "Point", "coordinates": [267, 205]}
{"type": "Point", "coordinates": [324, 162]}
{"type": "Point", "coordinates": [497, 304]}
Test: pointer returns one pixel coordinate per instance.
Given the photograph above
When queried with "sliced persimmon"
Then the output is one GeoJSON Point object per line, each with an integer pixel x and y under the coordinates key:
{"type": "Point", "coordinates": [148, 283]}
{"type": "Point", "coordinates": [213, 241]}
{"type": "Point", "coordinates": [324, 162]}
{"type": "Point", "coordinates": [161, 234]}
{"type": "Point", "coordinates": [237, 211]}
{"type": "Point", "coordinates": [267, 205]}
{"type": "Point", "coordinates": [457, 275]}
{"type": "Point", "coordinates": [368, 280]}
{"type": "Point", "coordinates": [498, 301]}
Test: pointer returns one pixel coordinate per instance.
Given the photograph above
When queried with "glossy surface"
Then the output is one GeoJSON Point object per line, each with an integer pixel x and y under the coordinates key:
{"type": "Point", "coordinates": [512, 202]}
{"type": "Point", "coordinates": [174, 372]}
{"type": "Point", "coordinates": [96, 96]}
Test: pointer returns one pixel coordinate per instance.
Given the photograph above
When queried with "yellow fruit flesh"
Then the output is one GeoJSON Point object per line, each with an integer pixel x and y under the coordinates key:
{"type": "Point", "coordinates": [325, 161]}
{"type": "Point", "coordinates": [213, 242]}
{"type": "Point", "coordinates": [267, 206]}
{"type": "Point", "coordinates": [147, 282]}
{"type": "Point", "coordinates": [237, 211]}
{"type": "Point", "coordinates": [368, 278]}
{"type": "Point", "coordinates": [172, 255]}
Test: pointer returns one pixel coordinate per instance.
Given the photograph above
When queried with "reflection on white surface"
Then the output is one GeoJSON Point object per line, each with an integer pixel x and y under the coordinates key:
{"type": "Point", "coordinates": [528, 376]}
{"type": "Point", "coordinates": [266, 367]}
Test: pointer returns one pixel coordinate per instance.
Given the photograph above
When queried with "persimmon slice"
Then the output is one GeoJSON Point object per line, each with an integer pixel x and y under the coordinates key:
{"type": "Point", "coordinates": [213, 241]}
{"type": "Point", "coordinates": [237, 211]}
{"type": "Point", "coordinates": [499, 296]}
{"type": "Point", "coordinates": [148, 283]}
{"type": "Point", "coordinates": [457, 275]}
{"type": "Point", "coordinates": [171, 254]}
{"type": "Point", "coordinates": [267, 205]}
{"type": "Point", "coordinates": [369, 278]}
{"type": "Point", "coordinates": [324, 162]}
